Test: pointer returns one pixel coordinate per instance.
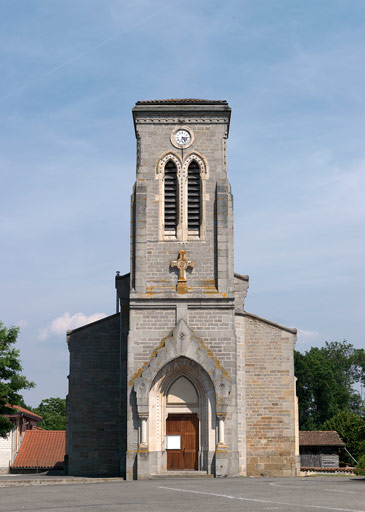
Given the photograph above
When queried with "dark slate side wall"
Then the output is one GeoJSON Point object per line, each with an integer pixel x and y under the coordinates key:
{"type": "Point", "coordinates": [96, 421]}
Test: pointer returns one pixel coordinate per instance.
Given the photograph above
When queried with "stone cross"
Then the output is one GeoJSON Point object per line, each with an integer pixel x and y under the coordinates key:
{"type": "Point", "coordinates": [182, 264]}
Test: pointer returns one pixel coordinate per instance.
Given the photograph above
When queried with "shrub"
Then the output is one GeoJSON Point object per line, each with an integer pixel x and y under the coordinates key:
{"type": "Point", "coordinates": [360, 468]}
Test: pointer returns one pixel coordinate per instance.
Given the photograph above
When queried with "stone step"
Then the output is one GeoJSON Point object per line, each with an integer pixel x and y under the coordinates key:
{"type": "Point", "coordinates": [182, 474]}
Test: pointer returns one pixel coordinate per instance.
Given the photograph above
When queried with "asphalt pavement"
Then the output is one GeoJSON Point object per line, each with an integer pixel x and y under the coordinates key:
{"type": "Point", "coordinates": [342, 494]}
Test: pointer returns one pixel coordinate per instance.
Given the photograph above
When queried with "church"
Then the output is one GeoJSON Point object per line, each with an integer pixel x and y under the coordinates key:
{"type": "Point", "coordinates": [181, 377]}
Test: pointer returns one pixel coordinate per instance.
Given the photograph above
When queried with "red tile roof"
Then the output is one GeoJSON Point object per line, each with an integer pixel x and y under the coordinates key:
{"type": "Point", "coordinates": [183, 101]}
{"type": "Point", "coordinates": [42, 448]}
{"type": "Point", "coordinates": [320, 438]}
{"type": "Point", "coordinates": [21, 410]}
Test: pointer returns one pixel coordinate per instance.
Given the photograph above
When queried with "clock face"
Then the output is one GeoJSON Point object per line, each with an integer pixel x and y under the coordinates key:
{"type": "Point", "coordinates": [182, 137]}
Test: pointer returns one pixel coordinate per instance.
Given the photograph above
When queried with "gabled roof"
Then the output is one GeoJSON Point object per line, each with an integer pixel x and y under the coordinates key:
{"type": "Point", "coordinates": [320, 438]}
{"type": "Point", "coordinates": [25, 412]}
{"type": "Point", "coordinates": [241, 276]}
{"type": "Point", "coordinates": [292, 330]}
{"type": "Point", "coordinates": [91, 324]}
{"type": "Point", "coordinates": [41, 449]}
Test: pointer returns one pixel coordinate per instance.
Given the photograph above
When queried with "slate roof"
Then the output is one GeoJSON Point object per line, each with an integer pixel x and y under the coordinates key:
{"type": "Point", "coordinates": [182, 101]}
{"type": "Point", "coordinates": [320, 438]}
{"type": "Point", "coordinates": [21, 410]}
{"type": "Point", "coordinates": [41, 448]}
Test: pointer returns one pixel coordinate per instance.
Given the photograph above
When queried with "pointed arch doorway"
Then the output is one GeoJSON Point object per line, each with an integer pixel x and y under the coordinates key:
{"type": "Point", "coordinates": [182, 426]}
{"type": "Point", "coordinates": [182, 418]}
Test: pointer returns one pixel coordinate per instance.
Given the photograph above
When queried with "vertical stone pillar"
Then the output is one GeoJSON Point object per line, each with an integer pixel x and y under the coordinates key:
{"type": "Point", "coordinates": [221, 431]}
{"type": "Point", "coordinates": [221, 452]}
{"type": "Point", "coordinates": [139, 265]}
{"type": "Point", "coordinates": [143, 435]}
{"type": "Point", "coordinates": [143, 461]}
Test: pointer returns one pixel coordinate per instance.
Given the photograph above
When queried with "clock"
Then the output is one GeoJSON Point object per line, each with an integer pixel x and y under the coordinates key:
{"type": "Point", "coordinates": [182, 137]}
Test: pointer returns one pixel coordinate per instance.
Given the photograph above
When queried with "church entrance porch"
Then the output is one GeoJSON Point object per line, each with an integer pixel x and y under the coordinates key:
{"type": "Point", "coordinates": [182, 420]}
{"type": "Point", "coordinates": [182, 436]}
{"type": "Point", "coordinates": [182, 379]}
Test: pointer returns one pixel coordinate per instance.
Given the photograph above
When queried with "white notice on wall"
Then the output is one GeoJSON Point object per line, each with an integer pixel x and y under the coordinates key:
{"type": "Point", "coordinates": [173, 442]}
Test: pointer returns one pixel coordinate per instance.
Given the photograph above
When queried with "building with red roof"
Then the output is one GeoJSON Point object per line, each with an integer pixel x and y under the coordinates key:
{"type": "Point", "coordinates": [23, 421]}
{"type": "Point", "coordinates": [41, 449]}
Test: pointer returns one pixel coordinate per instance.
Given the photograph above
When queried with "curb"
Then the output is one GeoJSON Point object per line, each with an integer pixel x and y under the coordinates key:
{"type": "Point", "coordinates": [58, 481]}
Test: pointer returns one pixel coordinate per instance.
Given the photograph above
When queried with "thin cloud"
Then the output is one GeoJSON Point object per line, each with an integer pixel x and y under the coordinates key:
{"type": "Point", "coordinates": [86, 52]}
{"type": "Point", "coordinates": [66, 322]}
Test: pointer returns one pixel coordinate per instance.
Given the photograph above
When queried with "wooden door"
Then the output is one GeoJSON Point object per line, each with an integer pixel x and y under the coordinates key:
{"type": "Point", "coordinates": [187, 427]}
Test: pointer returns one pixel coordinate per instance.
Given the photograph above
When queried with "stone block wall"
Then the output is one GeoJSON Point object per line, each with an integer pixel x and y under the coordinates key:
{"type": "Point", "coordinates": [241, 394]}
{"type": "Point", "coordinates": [215, 327]}
{"type": "Point", "coordinates": [152, 275]}
{"type": "Point", "coordinates": [270, 398]}
{"type": "Point", "coordinates": [96, 419]}
{"type": "Point", "coordinates": [148, 326]}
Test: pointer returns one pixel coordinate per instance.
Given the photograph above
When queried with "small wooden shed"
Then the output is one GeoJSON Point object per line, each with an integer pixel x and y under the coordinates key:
{"type": "Point", "coordinates": [319, 449]}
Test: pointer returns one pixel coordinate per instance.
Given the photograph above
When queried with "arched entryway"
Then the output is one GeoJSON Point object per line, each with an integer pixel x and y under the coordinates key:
{"type": "Point", "coordinates": [182, 418]}
{"type": "Point", "coordinates": [182, 426]}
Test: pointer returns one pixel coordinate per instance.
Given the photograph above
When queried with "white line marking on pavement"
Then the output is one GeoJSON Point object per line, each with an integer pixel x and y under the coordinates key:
{"type": "Point", "coordinates": [350, 492]}
{"type": "Point", "coordinates": [262, 501]}
{"type": "Point", "coordinates": [286, 486]}
{"type": "Point", "coordinates": [299, 487]}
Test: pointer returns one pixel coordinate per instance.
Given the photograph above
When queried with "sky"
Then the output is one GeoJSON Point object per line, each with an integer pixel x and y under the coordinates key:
{"type": "Point", "coordinates": [293, 74]}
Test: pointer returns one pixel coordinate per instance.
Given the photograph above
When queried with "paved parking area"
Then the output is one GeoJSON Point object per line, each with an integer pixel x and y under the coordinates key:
{"type": "Point", "coordinates": [343, 494]}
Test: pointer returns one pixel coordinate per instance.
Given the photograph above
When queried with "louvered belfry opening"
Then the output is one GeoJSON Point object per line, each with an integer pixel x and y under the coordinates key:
{"type": "Point", "coordinates": [194, 203]}
{"type": "Point", "coordinates": [171, 203]}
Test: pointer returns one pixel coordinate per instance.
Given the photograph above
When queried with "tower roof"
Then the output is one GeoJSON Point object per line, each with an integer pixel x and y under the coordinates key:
{"type": "Point", "coordinates": [174, 109]}
{"type": "Point", "coordinates": [182, 101]}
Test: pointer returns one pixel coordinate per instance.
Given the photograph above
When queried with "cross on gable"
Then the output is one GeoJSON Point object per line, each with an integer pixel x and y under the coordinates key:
{"type": "Point", "coordinates": [182, 264]}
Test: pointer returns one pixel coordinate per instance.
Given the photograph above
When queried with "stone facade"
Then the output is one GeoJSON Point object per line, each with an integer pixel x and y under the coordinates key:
{"type": "Point", "coordinates": [181, 314]}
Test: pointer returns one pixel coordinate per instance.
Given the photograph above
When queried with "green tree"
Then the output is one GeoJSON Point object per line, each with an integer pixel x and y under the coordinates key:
{"type": "Point", "coordinates": [53, 412]}
{"type": "Point", "coordinates": [360, 468]}
{"type": "Point", "coordinates": [11, 379]}
{"type": "Point", "coordinates": [351, 428]}
{"type": "Point", "coordinates": [326, 377]}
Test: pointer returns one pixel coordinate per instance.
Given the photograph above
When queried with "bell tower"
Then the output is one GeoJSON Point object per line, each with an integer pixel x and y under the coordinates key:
{"type": "Point", "coordinates": [182, 292]}
{"type": "Point", "coordinates": [182, 199]}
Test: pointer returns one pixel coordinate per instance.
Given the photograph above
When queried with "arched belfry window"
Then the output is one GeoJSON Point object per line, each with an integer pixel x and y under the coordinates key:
{"type": "Point", "coordinates": [194, 198]}
{"type": "Point", "coordinates": [182, 185]}
{"type": "Point", "coordinates": [170, 198]}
